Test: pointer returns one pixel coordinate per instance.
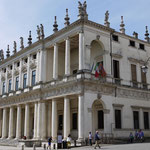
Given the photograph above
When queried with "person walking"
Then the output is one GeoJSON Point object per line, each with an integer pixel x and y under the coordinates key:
{"type": "Point", "coordinates": [90, 138]}
{"type": "Point", "coordinates": [97, 139]}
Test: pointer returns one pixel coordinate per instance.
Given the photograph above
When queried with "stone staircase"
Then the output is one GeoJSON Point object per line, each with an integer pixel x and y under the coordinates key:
{"type": "Point", "coordinates": [9, 142]}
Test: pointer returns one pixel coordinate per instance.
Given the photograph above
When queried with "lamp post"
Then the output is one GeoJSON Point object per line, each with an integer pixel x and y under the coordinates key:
{"type": "Point", "coordinates": [144, 67]}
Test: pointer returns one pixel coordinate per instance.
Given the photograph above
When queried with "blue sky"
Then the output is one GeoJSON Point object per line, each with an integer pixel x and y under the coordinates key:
{"type": "Point", "coordinates": [18, 17]}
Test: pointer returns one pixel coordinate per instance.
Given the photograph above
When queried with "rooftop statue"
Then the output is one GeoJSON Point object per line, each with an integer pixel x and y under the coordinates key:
{"type": "Point", "coordinates": [42, 31]}
{"type": "Point", "coordinates": [21, 43]}
{"type": "Point", "coordinates": [82, 10]}
{"type": "Point", "coordinates": [106, 22]}
{"type": "Point", "coordinates": [38, 32]}
{"type": "Point", "coordinates": [1, 55]}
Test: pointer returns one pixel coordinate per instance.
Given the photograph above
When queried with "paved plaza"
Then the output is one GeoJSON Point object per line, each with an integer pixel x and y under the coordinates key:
{"type": "Point", "coordinates": [138, 146]}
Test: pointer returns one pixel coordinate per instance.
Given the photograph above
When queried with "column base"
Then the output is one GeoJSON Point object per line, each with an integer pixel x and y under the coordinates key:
{"type": "Point", "coordinates": [80, 141]}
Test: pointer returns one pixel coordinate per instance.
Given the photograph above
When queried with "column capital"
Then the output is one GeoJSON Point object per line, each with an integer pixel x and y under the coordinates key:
{"type": "Point", "coordinates": [67, 38]}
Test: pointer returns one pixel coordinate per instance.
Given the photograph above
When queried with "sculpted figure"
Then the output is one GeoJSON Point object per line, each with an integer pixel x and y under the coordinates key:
{"type": "Point", "coordinates": [42, 31]}
{"type": "Point", "coordinates": [38, 32]}
{"type": "Point", "coordinates": [106, 16]}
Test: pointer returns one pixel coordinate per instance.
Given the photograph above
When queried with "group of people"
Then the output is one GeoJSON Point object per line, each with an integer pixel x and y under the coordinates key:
{"type": "Point", "coordinates": [138, 136]}
{"type": "Point", "coordinates": [97, 139]}
{"type": "Point", "coordinates": [60, 140]}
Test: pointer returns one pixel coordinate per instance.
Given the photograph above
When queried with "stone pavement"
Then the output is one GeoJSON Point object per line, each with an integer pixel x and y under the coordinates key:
{"type": "Point", "coordinates": [137, 146]}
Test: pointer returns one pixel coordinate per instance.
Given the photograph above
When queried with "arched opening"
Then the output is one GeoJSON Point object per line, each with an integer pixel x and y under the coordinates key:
{"type": "Point", "coordinates": [97, 52]}
{"type": "Point", "coordinates": [98, 116]}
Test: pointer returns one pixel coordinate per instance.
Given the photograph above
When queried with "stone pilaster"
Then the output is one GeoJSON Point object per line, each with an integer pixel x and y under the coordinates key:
{"type": "Point", "coordinates": [55, 62]}
{"type": "Point", "coordinates": [67, 57]}
{"type": "Point", "coordinates": [11, 123]}
{"type": "Point", "coordinates": [81, 50]}
{"type": "Point", "coordinates": [80, 117]}
{"type": "Point", "coordinates": [27, 121]}
{"type": "Point", "coordinates": [54, 119]}
{"type": "Point", "coordinates": [20, 75]}
{"type": "Point", "coordinates": [13, 81]}
{"type": "Point", "coordinates": [18, 126]}
{"type": "Point", "coordinates": [66, 117]}
{"type": "Point", "coordinates": [28, 72]}
{"type": "Point", "coordinates": [38, 67]}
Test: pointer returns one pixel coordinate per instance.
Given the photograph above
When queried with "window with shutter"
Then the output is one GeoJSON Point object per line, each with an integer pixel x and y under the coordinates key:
{"type": "Point", "coordinates": [134, 75]}
{"type": "Point", "coordinates": [143, 79]}
{"type": "Point", "coordinates": [116, 71]}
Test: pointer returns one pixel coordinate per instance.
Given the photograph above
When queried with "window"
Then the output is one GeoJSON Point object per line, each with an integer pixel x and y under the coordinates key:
{"type": "Point", "coordinates": [24, 80]}
{"type": "Point", "coordinates": [115, 38]}
{"type": "Point", "coordinates": [146, 120]}
{"type": "Point", "coordinates": [143, 79]}
{"type": "Point", "coordinates": [118, 119]}
{"type": "Point", "coordinates": [74, 121]}
{"type": "Point", "coordinates": [136, 119]}
{"type": "Point", "coordinates": [18, 64]}
{"type": "Point", "coordinates": [141, 46]}
{"type": "Point", "coordinates": [132, 43]}
{"type": "Point", "coordinates": [9, 85]}
{"type": "Point", "coordinates": [75, 71]}
{"type": "Point", "coordinates": [33, 77]}
{"type": "Point", "coordinates": [11, 67]}
{"type": "Point", "coordinates": [60, 122]}
{"type": "Point", "coordinates": [26, 60]}
{"type": "Point", "coordinates": [3, 89]}
{"type": "Point", "coordinates": [116, 71]}
{"type": "Point", "coordinates": [17, 83]}
{"type": "Point", "coordinates": [34, 56]}
{"type": "Point", "coordinates": [134, 75]}
{"type": "Point", "coordinates": [4, 70]}
{"type": "Point", "coordinates": [100, 119]}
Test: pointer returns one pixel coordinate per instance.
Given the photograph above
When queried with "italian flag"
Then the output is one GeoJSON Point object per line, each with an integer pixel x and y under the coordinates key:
{"type": "Point", "coordinates": [99, 70]}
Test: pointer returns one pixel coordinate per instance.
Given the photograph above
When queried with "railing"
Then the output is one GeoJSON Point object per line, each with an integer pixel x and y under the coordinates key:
{"type": "Point", "coordinates": [107, 79]}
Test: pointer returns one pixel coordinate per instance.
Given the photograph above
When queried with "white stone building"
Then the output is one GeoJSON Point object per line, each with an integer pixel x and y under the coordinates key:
{"type": "Point", "coordinates": [48, 87]}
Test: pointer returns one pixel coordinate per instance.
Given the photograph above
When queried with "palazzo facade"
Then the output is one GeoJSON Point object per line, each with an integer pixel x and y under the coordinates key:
{"type": "Point", "coordinates": [49, 87]}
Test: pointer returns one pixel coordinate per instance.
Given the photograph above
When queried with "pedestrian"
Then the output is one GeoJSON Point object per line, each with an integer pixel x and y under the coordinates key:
{"type": "Point", "coordinates": [69, 140]}
{"type": "Point", "coordinates": [90, 138]}
{"type": "Point", "coordinates": [97, 140]}
{"type": "Point", "coordinates": [131, 137]}
{"type": "Point", "coordinates": [49, 142]}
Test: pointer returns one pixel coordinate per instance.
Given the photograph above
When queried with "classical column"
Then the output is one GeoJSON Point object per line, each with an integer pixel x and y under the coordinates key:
{"type": "Point", "coordinates": [43, 133]}
{"type": "Point", "coordinates": [54, 119]}
{"type": "Point", "coordinates": [49, 116]}
{"type": "Point", "coordinates": [35, 119]}
{"type": "Point", "coordinates": [28, 71]}
{"type": "Point", "coordinates": [67, 57]}
{"type": "Point", "coordinates": [1, 122]}
{"type": "Point", "coordinates": [18, 125]}
{"type": "Point", "coordinates": [39, 120]}
{"type": "Point", "coordinates": [20, 75]}
{"type": "Point", "coordinates": [66, 117]}
{"type": "Point", "coordinates": [55, 62]}
{"type": "Point", "coordinates": [80, 117]}
{"type": "Point", "coordinates": [4, 127]}
{"type": "Point", "coordinates": [11, 123]}
{"type": "Point", "coordinates": [27, 121]}
{"type": "Point", "coordinates": [81, 50]}
{"type": "Point", "coordinates": [141, 119]}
